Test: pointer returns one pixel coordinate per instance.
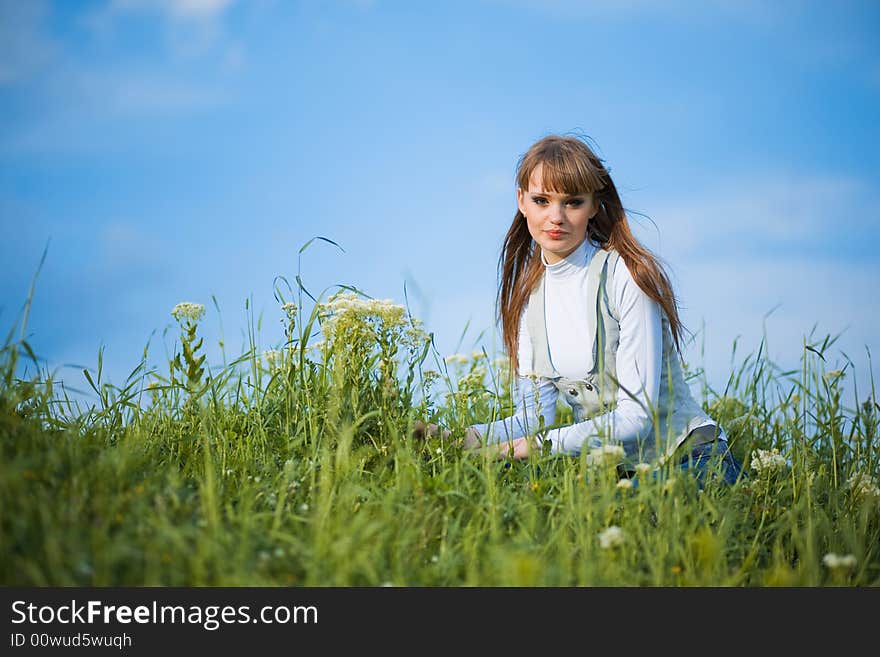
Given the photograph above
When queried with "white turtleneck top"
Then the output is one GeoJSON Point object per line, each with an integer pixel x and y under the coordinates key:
{"type": "Point", "coordinates": [638, 363]}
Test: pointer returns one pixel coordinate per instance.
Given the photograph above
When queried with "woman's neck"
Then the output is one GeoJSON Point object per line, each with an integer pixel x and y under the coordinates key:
{"type": "Point", "coordinates": [570, 264]}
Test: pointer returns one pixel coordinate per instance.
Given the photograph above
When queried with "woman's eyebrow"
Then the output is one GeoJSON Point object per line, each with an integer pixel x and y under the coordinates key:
{"type": "Point", "coordinates": [552, 194]}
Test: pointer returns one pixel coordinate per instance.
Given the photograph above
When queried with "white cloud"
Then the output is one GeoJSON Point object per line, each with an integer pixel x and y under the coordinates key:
{"type": "Point", "coordinates": [747, 217]}
{"type": "Point", "coordinates": [186, 10]}
{"type": "Point", "coordinates": [791, 251]}
{"type": "Point", "coordinates": [790, 298]}
{"type": "Point", "coordinates": [193, 28]}
{"type": "Point", "coordinates": [126, 246]}
{"type": "Point", "coordinates": [495, 183]}
{"type": "Point", "coordinates": [82, 99]}
{"type": "Point", "coordinates": [747, 10]}
{"type": "Point", "coordinates": [151, 95]}
{"type": "Point", "coordinates": [197, 9]}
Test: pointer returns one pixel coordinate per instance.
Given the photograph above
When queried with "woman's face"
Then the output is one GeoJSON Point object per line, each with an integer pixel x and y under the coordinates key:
{"type": "Point", "coordinates": [557, 222]}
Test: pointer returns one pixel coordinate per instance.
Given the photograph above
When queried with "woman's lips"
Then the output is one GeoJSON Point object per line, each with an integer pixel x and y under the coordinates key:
{"type": "Point", "coordinates": [555, 234]}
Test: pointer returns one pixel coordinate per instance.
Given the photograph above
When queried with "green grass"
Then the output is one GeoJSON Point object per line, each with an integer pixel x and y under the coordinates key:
{"type": "Point", "coordinates": [298, 468]}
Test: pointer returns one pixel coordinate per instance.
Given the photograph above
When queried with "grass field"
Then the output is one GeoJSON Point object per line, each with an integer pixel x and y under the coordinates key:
{"type": "Point", "coordinates": [296, 467]}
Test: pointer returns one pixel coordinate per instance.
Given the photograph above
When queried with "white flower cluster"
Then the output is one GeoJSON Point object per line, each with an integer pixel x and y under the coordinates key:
{"type": "Point", "coordinates": [836, 561]}
{"type": "Point", "coordinates": [186, 310]}
{"type": "Point", "coordinates": [605, 455]}
{"type": "Point", "coordinates": [461, 359]}
{"type": "Point", "coordinates": [611, 538]}
{"type": "Point", "coordinates": [833, 376]}
{"type": "Point", "coordinates": [290, 309]}
{"type": "Point", "coordinates": [768, 461]}
{"type": "Point", "coordinates": [273, 358]}
{"type": "Point", "coordinates": [349, 318]}
{"type": "Point", "coordinates": [473, 379]}
{"type": "Point", "coordinates": [624, 484]}
{"type": "Point", "coordinates": [863, 486]}
{"type": "Point", "coordinates": [343, 302]}
{"type": "Point", "coordinates": [643, 468]}
{"type": "Point", "coordinates": [349, 303]}
{"type": "Point", "coordinates": [430, 377]}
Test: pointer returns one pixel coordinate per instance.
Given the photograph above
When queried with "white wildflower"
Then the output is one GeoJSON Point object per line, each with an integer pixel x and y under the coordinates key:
{"type": "Point", "coordinates": [611, 537]}
{"type": "Point", "coordinates": [767, 461]}
{"type": "Point", "coordinates": [473, 379]}
{"type": "Point", "coordinates": [606, 455]}
{"type": "Point", "coordinates": [186, 310]}
{"type": "Point", "coordinates": [273, 357]}
{"type": "Point", "coordinates": [430, 376]}
{"type": "Point", "coordinates": [863, 485]}
{"type": "Point", "coordinates": [289, 309]}
{"type": "Point", "coordinates": [835, 561]}
{"type": "Point", "coordinates": [415, 336]}
{"type": "Point", "coordinates": [625, 484]}
{"type": "Point", "coordinates": [832, 376]}
{"type": "Point", "coordinates": [642, 469]}
{"type": "Point", "coordinates": [303, 508]}
{"type": "Point", "coordinates": [350, 320]}
{"type": "Point", "coordinates": [457, 358]}
{"type": "Point", "coordinates": [669, 484]}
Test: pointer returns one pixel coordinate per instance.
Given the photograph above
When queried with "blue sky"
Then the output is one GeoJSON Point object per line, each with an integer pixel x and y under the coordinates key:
{"type": "Point", "coordinates": [171, 150]}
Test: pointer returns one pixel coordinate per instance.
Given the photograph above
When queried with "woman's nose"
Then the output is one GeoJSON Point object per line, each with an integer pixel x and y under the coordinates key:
{"type": "Point", "coordinates": [556, 214]}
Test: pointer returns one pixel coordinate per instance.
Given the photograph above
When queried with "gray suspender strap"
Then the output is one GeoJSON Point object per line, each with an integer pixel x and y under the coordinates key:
{"type": "Point", "coordinates": [536, 321]}
{"type": "Point", "coordinates": [536, 324]}
{"type": "Point", "coordinates": [594, 276]}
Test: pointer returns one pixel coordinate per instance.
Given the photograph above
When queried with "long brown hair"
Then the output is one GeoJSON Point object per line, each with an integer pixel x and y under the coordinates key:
{"type": "Point", "coordinates": [571, 167]}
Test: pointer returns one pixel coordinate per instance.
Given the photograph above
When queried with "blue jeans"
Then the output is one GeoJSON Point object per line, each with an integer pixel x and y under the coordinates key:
{"type": "Point", "coordinates": [713, 460]}
{"type": "Point", "coordinates": [710, 460]}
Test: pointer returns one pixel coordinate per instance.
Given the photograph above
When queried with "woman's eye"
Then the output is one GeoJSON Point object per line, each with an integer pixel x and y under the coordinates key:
{"type": "Point", "coordinates": [575, 202]}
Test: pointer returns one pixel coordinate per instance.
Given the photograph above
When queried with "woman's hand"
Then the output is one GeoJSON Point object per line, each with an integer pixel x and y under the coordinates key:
{"type": "Point", "coordinates": [472, 439]}
{"type": "Point", "coordinates": [518, 449]}
{"type": "Point", "coordinates": [421, 431]}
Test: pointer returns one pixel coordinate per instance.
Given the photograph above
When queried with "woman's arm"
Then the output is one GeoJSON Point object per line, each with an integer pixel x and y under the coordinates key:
{"type": "Point", "coordinates": [535, 399]}
{"type": "Point", "coordinates": [639, 368]}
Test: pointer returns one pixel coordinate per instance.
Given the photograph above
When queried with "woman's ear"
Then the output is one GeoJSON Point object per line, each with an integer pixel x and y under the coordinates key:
{"type": "Point", "coordinates": [520, 200]}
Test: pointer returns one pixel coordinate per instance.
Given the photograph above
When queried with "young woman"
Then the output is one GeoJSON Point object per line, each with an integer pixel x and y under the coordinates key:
{"type": "Point", "coordinates": [588, 314]}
